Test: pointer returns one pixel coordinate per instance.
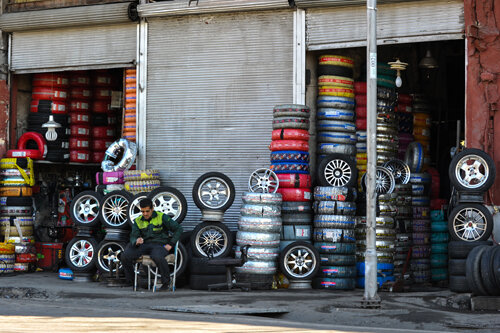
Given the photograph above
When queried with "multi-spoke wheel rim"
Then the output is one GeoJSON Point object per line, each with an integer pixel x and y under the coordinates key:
{"type": "Point", "coordinates": [470, 224]}
{"type": "Point", "coordinates": [81, 253]}
{"type": "Point", "coordinates": [86, 209]}
{"type": "Point", "coordinates": [338, 172]}
{"type": "Point", "coordinates": [134, 210]}
{"type": "Point", "coordinates": [300, 262]}
{"type": "Point", "coordinates": [263, 181]}
{"type": "Point", "coordinates": [168, 203]}
{"type": "Point", "coordinates": [384, 181]}
{"type": "Point", "coordinates": [114, 210]}
{"type": "Point", "coordinates": [110, 255]}
{"type": "Point", "coordinates": [472, 171]}
{"type": "Point", "coordinates": [211, 239]}
{"type": "Point", "coordinates": [214, 192]}
{"type": "Point", "coordinates": [400, 170]}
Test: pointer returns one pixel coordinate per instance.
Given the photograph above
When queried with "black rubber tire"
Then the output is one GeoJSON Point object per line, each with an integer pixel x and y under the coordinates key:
{"type": "Point", "coordinates": [122, 222]}
{"type": "Point", "coordinates": [312, 254]}
{"type": "Point", "coordinates": [335, 248]}
{"type": "Point", "coordinates": [461, 249]}
{"type": "Point", "coordinates": [464, 153]}
{"type": "Point", "coordinates": [221, 178]}
{"type": "Point", "coordinates": [296, 218]}
{"type": "Point", "coordinates": [458, 284]}
{"type": "Point", "coordinates": [334, 70]}
{"type": "Point", "coordinates": [257, 281]}
{"type": "Point", "coordinates": [337, 259]}
{"type": "Point", "coordinates": [495, 265]}
{"type": "Point", "coordinates": [19, 201]}
{"type": "Point", "coordinates": [334, 283]}
{"type": "Point", "coordinates": [291, 207]}
{"type": "Point", "coordinates": [473, 270]}
{"type": "Point", "coordinates": [201, 282]}
{"type": "Point", "coordinates": [102, 250]}
{"type": "Point", "coordinates": [220, 228]}
{"type": "Point", "coordinates": [80, 196]}
{"type": "Point", "coordinates": [487, 272]}
{"type": "Point", "coordinates": [488, 219]}
{"type": "Point", "coordinates": [200, 266]}
{"type": "Point", "coordinates": [456, 266]}
{"type": "Point", "coordinates": [88, 266]}
{"type": "Point", "coordinates": [351, 172]}
{"type": "Point", "coordinates": [178, 214]}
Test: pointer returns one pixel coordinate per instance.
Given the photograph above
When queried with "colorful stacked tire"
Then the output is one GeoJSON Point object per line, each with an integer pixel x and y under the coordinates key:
{"type": "Point", "coordinates": [361, 156]}
{"type": "Point", "coordinates": [50, 96]}
{"type": "Point", "coordinates": [403, 243]}
{"type": "Point", "coordinates": [387, 122]}
{"type": "Point", "coordinates": [80, 102]}
{"type": "Point", "coordinates": [405, 120]}
{"type": "Point", "coordinates": [260, 227]}
{"type": "Point", "coordinates": [129, 118]}
{"type": "Point", "coordinates": [422, 110]}
{"type": "Point", "coordinates": [439, 246]}
{"type": "Point", "coordinates": [7, 258]}
{"type": "Point", "coordinates": [137, 181]}
{"type": "Point", "coordinates": [16, 211]}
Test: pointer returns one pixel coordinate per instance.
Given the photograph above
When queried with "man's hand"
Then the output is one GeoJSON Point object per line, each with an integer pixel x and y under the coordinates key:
{"type": "Point", "coordinates": [168, 247]}
{"type": "Point", "coordinates": [139, 241]}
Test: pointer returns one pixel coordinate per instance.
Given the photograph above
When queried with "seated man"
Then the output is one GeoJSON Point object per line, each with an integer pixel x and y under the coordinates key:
{"type": "Point", "coordinates": [150, 235]}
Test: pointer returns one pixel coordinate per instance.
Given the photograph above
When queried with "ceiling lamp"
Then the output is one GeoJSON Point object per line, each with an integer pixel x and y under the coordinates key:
{"type": "Point", "coordinates": [428, 62]}
{"type": "Point", "coordinates": [398, 66]}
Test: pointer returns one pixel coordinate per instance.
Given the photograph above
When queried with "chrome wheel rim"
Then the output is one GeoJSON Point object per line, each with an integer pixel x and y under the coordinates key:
{"type": "Point", "coordinates": [469, 224]}
{"type": "Point", "coordinates": [384, 181]}
{"type": "Point", "coordinates": [168, 203]}
{"type": "Point", "coordinates": [300, 262]}
{"type": "Point", "coordinates": [211, 239]}
{"type": "Point", "coordinates": [400, 170]}
{"type": "Point", "coordinates": [472, 171]}
{"type": "Point", "coordinates": [114, 210]}
{"type": "Point", "coordinates": [263, 181]}
{"type": "Point", "coordinates": [214, 192]}
{"type": "Point", "coordinates": [81, 253]}
{"type": "Point", "coordinates": [338, 172]}
{"type": "Point", "coordinates": [134, 210]}
{"type": "Point", "coordinates": [108, 254]}
{"type": "Point", "coordinates": [86, 209]}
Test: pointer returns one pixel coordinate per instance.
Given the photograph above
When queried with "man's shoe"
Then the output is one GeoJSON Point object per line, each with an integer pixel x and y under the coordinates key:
{"type": "Point", "coordinates": [166, 286]}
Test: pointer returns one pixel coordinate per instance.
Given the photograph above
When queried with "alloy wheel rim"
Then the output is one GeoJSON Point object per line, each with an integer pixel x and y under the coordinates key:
{"type": "Point", "coordinates": [338, 172]}
{"type": "Point", "coordinates": [86, 209]}
{"type": "Point", "coordinates": [214, 192]}
{"type": "Point", "coordinates": [299, 262]}
{"type": "Point", "coordinates": [211, 238]}
{"type": "Point", "coordinates": [469, 224]}
{"type": "Point", "coordinates": [263, 181]}
{"type": "Point", "coordinates": [81, 253]}
{"type": "Point", "coordinates": [472, 171]}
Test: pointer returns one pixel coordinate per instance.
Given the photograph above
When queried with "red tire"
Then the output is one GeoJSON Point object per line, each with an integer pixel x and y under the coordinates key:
{"type": "Point", "coordinates": [25, 257]}
{"type": "Point", "coordinates": [361, 124]}
{"type": "Point", "coordinates": [80, 131]}
{"type": "Point", "coordinates": [100, 144]}
{"type": "Point", "coordinates": [50, 80]}
{"type": "Point", "coordinates": [103, 132]}
{"type": "Point", "coordinates": [405, 99]}
{"type": "Point", "coordinates": [102, 80]}
{"type": "Point", "coordinates": [360, 87]}
{"type": "Point", "coordinates": [33, 136]}
{"type": "Point", "coordinates": [80, 118]}
{"type": "Point", "coordinates": [101, 106]}
{"type": "Point", "coordinates": [360, 100]}
{"type": "Point", "coordinates": [294, 180]}
{"type": "Point", "coordinates": [300, 145]}
{"type": "Point", "coordinates": [56, 107]}
{"type": "Point", "coordinates": [79, 156]}
{"type": "Point", "coordinates": [97, 156]}
{"type": "Point", "coordinates": [405, 108]}
{"type": "Point", "coordinates": [81, 93]}
{"type": "Point", "coordinates": [296, 194]}
{"type": "Point", "coordinates": [52, 94]}
{"type": "Point", "coordinates": [79, 106]}
{"type": "Point", "coordinates": [361, 112]}
{"type": "Point", "coordinates": [290, 134]}
{"type": "Point", "coordinates": [31, 153]}
{"type": "Point", "coordinates": [77, 143]}
{"type": "Point", "coordinates": [102, 94]}
{"type": "Point", "coordinates": [80, 79]}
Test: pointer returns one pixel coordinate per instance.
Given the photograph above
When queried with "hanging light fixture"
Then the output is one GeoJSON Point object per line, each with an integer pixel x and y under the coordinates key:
{"type": "Point", "coordinates": [428, 62]}
{"type": "Point", "coordinates": [51, 126]}
{"type": "Point", "coordinates": [398, 66]}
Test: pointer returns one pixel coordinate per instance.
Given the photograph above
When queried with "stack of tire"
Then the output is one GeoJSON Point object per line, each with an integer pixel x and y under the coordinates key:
{"type": "Point", "coordinates": [336, 130]}
{"type": "Point", "coordinates": [439, 246]}
{"type": "Point", "coordinates": [403, 220]}
{"type": "Point", "coordinates": [422, 109]}
{"type": "Point", "coordinates": [361, 156]}
{"type": "Point", "coordinates": [7, 258]}
{"type": "Point", "coordinates": [405, 121]}
{"type": "Point", "coordinates": [387, 123]}
{"type": "Point", "coordinates": [129, 118]}
{"type": "Point", "coordinates": [50, 97]}
{"type": "Point", "coordinates": [260, 227]}
{"type": "Point", "coordinates": [16, 211]}
{"type": "Point", "coordinates": [137, 181]}
{"type": "Point", "coordinates": [472, 172]}
{"type": "Point", "coordinates": [214, 193]}
{"type": "Point", "coordinates": [80, 118]}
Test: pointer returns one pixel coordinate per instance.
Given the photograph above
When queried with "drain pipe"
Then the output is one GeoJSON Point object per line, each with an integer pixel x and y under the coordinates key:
{"type": "Point", "coordinates": [371, 299]}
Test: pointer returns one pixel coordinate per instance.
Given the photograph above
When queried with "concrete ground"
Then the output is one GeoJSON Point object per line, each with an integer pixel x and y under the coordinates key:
{"type": "Point", "coordinates": [36, 299]}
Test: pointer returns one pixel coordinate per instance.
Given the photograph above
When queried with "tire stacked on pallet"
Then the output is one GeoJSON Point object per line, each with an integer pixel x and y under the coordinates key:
{"type": "Point", "coordinates": [7, 258]}
{"type": "Point", "coordinates": [138, 181]}
{"type": "Point", "coordinates": [422, 110]}
{"type": "Point", "coordinates": [50, 97]}
{"type": "Point", "coordinates": [260, 227]}
{"type": "Point", "coordinates": [129, 117]}
{"type": "Point", "coordinates": [439, 246]}
{"type": "Point", "coordinates": [405, 121]}
{"type": "Point", "coordinates": [80, 102]}
{"type": "Point", "coordinates": [335, 126]}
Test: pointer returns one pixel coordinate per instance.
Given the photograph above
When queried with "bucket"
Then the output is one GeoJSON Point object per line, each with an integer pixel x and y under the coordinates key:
{"type": "Point", "coordinates": [49, 255]}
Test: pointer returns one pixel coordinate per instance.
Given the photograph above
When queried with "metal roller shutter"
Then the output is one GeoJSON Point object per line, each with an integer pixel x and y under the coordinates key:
{"type": "Point", "coordinates": [212, 83]}
{"type": "Point", "coordinates": [406, 22]}
{"type": "Point", "coordinates": [88, 47]}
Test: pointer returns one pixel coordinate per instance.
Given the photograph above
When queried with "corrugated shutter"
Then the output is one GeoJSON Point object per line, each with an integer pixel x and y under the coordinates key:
{"type": "Point", "coordinates": [78, 47]}
{"type": "Point", "coordinates": [323, 3]}
{"type": "Point", "coordinates": [340, 27]}
{"type": "Point", "coordinates": [212, 83]}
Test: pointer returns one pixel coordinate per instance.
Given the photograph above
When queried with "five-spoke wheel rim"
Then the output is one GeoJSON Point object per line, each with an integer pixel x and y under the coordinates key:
{"type": "Point", "coordinates": [263, 181]}
{"type": "Point", "coordinates": [114, 210]}
{"type": "Point", "coordinates": [110, 255]}
{"type": "Point", "coordinates": [134, 210]}
{"type": "Point", "coordinates": [338, 172]}
{"type": "Point", "coordinates": [214, 192]}
{"type": "Point", "coordinates": [81, 253]}
{"type": "Point", "coordinates": [86, 209]}
{"type": "Point", "coordinates": [211, 239]}
{"type": "Point", "coordinates": [469, 224]}
{"type": "Point", "coordinates": [168, 203]}
{"type": "Point", "coordinates": [300, 262]}
{"type": "Point", "coordinates": [472, 171]}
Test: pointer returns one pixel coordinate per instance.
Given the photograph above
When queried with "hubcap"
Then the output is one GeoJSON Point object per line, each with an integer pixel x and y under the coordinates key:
{"type": "Point", "coordinates": [338, 173]}
{"type": "Point", "coordinates": [214, 192]}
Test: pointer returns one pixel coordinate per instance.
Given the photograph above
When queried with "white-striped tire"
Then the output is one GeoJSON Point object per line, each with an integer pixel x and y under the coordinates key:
{"type": "Point", "coordinates": [259, 224]}
{"type": "Point", "coordinates": [262, 198]}
{"type": "Point", "coordinates": [259, 253]}
{"type": "Point", "coordinates": [258, 267]}
{"type": "Point", "coordinates": [261, 239]}
{"type": "Point", "coordinates": [16, 210]}
{"type": "Point", "coordinates": [334, 235]}
{"type": "Point", "coordinates": [336, 126]}
{"type": "Point", "coordinates": [337, 137]}
{"type": "Point", "coordinates": [290, 122]}
{"type": "Point", "coordinates": [335, 114]}
{"type": "Point", "coordinates": [361, 147]}
{"type": "Point", "coordinates": [420, 178]}
{"type": "Point", "coordinates": [293, 110]}
{"type": "Point", "coordinates": [334, 221]}
{"type": "Point", "coordinates": [420, 201]}
{"type": "Point", "coordinates": [336, 102]}
{"type": "Point", "coordinates": [335, 207]}
{"type": "Point", "coordinates": [414, 157]}
{"type": "Point", "coordinates": [260, 210]}
{"type": "Point", "coordinates": [340, 148]}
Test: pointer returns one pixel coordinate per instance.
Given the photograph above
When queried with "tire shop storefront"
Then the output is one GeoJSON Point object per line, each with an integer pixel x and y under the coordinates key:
{"type": "Point", "coordinates": [69, 63]}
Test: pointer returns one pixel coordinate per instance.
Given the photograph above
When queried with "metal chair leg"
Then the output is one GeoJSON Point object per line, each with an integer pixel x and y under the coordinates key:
{"type": "Point", "coordinates": [136, 270]}
{"type": "Point", "coordinates": [149, 278]}
{"type": "Point", "coordinates": [175, 265]}
{"type": "Point", "coordinates": [156, 279]}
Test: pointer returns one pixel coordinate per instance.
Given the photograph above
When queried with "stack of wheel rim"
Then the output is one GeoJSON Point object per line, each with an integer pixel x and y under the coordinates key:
{"type": "Point", "coordinates": [129, 118]}
{"type": "Point", "coordinates": [422, 109]}
{"type": "Point", "coordinates": [405, 121]}
{"type": "Point", "coordinates": [50, 98]}
{"type": "Point", "coordinates": [260, 227]}
{"type": "Point", "coordinates": [16, 211]}
{"type": "Point", "coordinates": [137, 181]}
{"type": "Point", "coordinates": [213, 193]}
{"type": "Point", "coordinates": [472, 172]}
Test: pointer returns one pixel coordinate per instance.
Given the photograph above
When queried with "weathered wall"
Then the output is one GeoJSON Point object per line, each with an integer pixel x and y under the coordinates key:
{"type": "Point", "coordinates": [4, 116]}
{"type": "Point", "coordinates": [482, 24]}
